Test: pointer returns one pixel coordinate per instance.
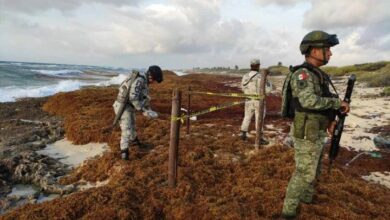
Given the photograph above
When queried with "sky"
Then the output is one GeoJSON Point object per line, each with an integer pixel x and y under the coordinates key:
{"type": "Point", "coordinates": [189, 33]}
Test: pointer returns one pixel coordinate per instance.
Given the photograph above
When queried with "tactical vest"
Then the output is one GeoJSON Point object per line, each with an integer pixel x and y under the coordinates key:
{"type": "Point", "coordinates": [291, 104]}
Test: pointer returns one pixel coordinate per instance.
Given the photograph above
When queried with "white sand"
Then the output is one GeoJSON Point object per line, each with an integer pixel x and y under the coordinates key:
{"type": "Point", "coordinates": [26, 191]}
{"type": "Point", "coordinates": [22, 190]}
{"type": "Point", "coordinates": [71, 154]}
{"type": "Point", "coordinates": [380, 178]}
{"type": "Point", "coordinates": [43, 198]}
{"type": "Point", "coordinates": [89, 185]}
{"type": "Point", "coordinates": [365, 114]}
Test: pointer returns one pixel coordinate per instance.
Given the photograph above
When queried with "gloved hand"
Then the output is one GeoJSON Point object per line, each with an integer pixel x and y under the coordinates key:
{"type": "Point", "coordinates": [150, 114]}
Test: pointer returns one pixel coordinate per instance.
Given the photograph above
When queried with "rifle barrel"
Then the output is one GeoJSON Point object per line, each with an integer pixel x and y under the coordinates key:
{"type": "Point", "coordinates": [336, 137]}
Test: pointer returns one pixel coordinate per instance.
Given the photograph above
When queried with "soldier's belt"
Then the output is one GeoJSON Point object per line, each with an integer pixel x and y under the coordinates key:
{"type": "Point", "coordinates": [237, 95]}
{"type": "Point", "coordinates": [211, 109]}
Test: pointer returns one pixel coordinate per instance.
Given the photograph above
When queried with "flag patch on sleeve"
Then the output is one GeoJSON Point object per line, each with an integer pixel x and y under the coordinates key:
{"type": "Point", "coordinates": [303, 76]}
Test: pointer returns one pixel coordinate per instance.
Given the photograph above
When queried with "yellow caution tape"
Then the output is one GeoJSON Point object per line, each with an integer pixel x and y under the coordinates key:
{"type": "Point", "coordinates": [208, 110]}
{"type": "Point", "coordinates": [238, 95]}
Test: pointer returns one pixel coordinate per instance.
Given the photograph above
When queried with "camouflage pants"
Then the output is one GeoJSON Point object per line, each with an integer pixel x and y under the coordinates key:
{"type": "Point", "coordinates": [308, 155]}
{"type": "Point", "coordinates": [251, 107]}
{"type": "Point", "coordinates": [127, 124]}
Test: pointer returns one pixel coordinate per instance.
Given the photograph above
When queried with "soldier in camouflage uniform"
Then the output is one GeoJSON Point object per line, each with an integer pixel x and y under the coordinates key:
{"type": "Point", "coordinates": [314, 106]}
{"type": "Point", "coordinates": [138, 100]}
{"type": "Point", "coordinates": [250, 85]}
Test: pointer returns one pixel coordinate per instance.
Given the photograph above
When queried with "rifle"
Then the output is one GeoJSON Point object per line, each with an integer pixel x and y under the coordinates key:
{"type": "Point", "coordinates": [123, 104]}
{"type": "Point", "coordinates": [118, 115]}
{"type": "Point", "coordinates": [335, 142]}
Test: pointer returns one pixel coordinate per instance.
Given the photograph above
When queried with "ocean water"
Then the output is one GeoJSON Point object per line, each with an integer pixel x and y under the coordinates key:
{"type": "Point", "coordinates": [20, 80]}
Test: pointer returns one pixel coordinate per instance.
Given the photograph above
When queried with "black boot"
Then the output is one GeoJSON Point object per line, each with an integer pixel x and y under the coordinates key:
{"type": "Point", "coordinates": [140, 146]}
{"type": "Point", "coordinates": [243, 135]}
{"type": "Point", "coordinates": [263, 141]}
{"type": "Point", "coordinates": [125, 154]}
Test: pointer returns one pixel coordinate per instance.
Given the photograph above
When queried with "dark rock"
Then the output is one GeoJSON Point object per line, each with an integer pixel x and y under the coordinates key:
{"type": "Point", "coordinates": [25, 128]}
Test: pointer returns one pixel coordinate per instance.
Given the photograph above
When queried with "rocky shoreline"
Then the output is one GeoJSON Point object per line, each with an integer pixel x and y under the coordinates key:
{"type": "Point", "coordinates": [26, 128]}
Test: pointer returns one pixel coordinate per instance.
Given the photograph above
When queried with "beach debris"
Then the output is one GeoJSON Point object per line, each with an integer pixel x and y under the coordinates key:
{"type": "Point", "coordinates": [371, 153]}
{"type": "Point", "coordinates": [381, 142]}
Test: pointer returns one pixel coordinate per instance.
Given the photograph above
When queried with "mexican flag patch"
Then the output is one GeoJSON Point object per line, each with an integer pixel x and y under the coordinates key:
{"type": "Point", "coordinates": [303, 76]}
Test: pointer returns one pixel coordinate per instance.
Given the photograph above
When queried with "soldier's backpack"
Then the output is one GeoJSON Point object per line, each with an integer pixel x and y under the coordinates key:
{"type": "Point", "coordinates": [288, 106]}
{"type": "Point", "coordinates": [123, 98]}
{"type": "Point", "coordinates": [288, 110]}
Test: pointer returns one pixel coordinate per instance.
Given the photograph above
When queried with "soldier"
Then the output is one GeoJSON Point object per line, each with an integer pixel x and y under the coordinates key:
{"type": "Point", "coordinates": [314, 106]}
{"type": "Point", "coordinates": [250, 85]}
{"type": "Point", "coordinates": [136, 85]}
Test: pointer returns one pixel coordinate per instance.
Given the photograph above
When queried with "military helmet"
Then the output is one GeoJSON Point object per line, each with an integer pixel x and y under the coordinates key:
{"type": "Point", "coordinates": [156, 73]}
{"type": "Point", "coordinates": [319, 39]}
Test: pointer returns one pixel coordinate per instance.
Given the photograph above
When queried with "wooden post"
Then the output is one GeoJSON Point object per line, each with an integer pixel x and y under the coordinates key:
{"type": "Point", "coordinates": [188, 110]}
{"type": "Point", "coordinates": [174, 138]}
{"type": "Point", "coordinates": [260, 121]}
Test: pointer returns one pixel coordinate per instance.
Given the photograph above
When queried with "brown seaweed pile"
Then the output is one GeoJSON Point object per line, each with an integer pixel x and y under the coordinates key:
{"type": "Point", "coordinates": [219, 176]}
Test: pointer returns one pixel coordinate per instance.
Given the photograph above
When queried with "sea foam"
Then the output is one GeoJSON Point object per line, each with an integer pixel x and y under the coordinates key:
{"type": "Point", "coordinates": [57, 72]}
{"type": "Point", "coordinates": [11, 93]}
{"type": "Point", "coordinates": [114, 80]}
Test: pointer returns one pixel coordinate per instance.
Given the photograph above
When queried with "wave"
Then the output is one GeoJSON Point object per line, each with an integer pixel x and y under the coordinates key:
{"type": "Point", "coordinates": [63, 72]}
{"type": "Point", "coordinates": [114, 80]}
{"type": "Point", "coordinates": [12, 93]}
{"type": "Point", "coordinates": [23, 80]}
{"type": "Point", "coordinates": [180, 73]}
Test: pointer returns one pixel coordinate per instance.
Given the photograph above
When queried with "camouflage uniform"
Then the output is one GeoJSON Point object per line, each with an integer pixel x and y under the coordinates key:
{"type": "Point", "coordinates": [309, 134]}
{"type": "Point", "coordinates": [250, 85]}
{"type": "Point", "coordinates": [138, 100]}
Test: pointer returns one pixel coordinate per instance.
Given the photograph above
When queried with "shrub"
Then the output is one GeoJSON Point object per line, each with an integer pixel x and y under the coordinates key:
{"type": "Point", "coordinates": [386, 91]}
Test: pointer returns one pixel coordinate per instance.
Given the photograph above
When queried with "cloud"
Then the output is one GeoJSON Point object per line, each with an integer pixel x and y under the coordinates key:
{"type": "Point", "coordinates": [333, 14]}
{"type": "Point", "coordinates": [34, 6]}
{"type": "Point", "coordinates": [280, 2]}
{"type": "Point", "coordinates": [181, 28]}
{"type": "Point", "coordinates": [178, 33]}
{"type": "Point", "coordinates": [365, 21]}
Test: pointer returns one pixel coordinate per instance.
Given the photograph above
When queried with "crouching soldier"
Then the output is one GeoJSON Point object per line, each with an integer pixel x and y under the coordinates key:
{"type": "Point", "coordinates": [133, 96]}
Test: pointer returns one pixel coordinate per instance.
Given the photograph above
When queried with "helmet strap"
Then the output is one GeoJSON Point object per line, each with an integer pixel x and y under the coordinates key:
{"type": "Point", "coordinates": [323, 60]}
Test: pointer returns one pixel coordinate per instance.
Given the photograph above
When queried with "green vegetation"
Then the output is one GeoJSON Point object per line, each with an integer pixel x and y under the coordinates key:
{"type": "Point", "coordinates": [367, 67]}
{"type": "Point", "coordinates": [222, 70]}
{"type": "Point", "coordinates": [374, 74]}
{"type": "Point", "coordinates": [278, 70]}
{"type": "Point", "coordinates": [377, 78]}
{"type": "Point", "coordinates": [386, 91]}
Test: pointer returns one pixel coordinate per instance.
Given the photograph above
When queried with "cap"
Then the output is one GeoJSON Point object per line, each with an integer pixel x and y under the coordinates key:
{"type": "Point", "coordinates": [255, 61]}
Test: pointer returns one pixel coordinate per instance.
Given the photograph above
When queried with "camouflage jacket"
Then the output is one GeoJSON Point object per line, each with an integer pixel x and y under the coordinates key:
{"type": "Point", "coordinates": [306, 87]}
{"type": "Point", "coordinates": [139, 92]}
